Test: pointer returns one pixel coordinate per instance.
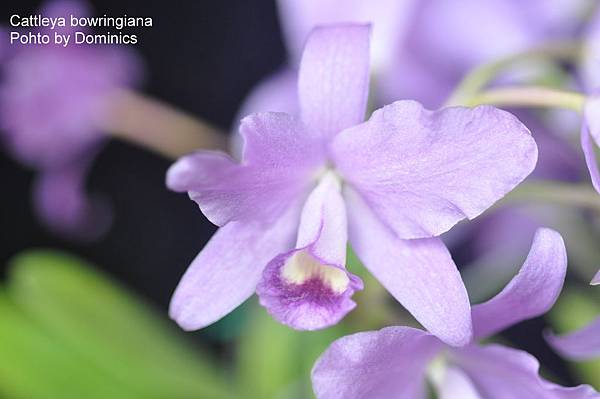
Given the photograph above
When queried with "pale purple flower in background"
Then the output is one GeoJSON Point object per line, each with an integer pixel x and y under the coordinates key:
{"type": "Point", "coordinates": [421, 49]}
{"type": "Point", "coordinates": [51, 98]}
{"type": "Point", "coordinates": [395, 362]}
{"type": "Point", "coordinates": [447, 39]}
{"type": "Point", "coordinates": [583, 344]}
{"type": "Point", "coordinates": [391, 184]}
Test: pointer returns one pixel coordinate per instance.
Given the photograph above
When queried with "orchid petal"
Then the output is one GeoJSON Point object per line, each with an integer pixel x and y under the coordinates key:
{"type": "Point", "coordinates": [376, 365]}
{"type": "Point", "coordinates": [532, 292]}
{"type": "Point", "coordinates": [420, 274]}
{"type": "Point", "coordinates": [276, 169]}
{"type": "Point", "coordinates": [225, 273]}
{"type": "Point", "coordinates": [580, 345]}
{"type": "Point", "coordinates": [309, 288]}
{"type": "Point", "coordinates": [422, 172]}
{"type": "Point", "coordinates": [500, 372]}
{"type": "Point", "coordinates": [333, 81]}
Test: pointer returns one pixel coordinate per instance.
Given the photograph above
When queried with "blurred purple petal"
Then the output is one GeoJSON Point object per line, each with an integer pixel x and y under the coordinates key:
{"type": "Point", "coordinates": [596, 279]}
{"type": "Point", "coordinates": [500, 372]}
{"type": "Point", "coordinates": [412, 78]}
{"type": "Point", "coordinates": [61, 202]}
{"type": "Point", "coordinates": [225, 273]}
{"type": "Point", "coordinates": [278, 162]}
{"type": "Point", "coordinates": [309, 288]}
{"type": "Point", "coordinates": [590, 65]}
{"type": "Point", "coordinates": [590, 157]}
{"type": "Point", "coordinates": [420, 274]}
{"type": "Point", "coordinates": [451, 38]}
{"type": "Point", "coordinates": [422, 171]}
{"type": "Point", "coordinates": [51, 99]}
{"type": "Point", "coordinates": [583, 344]}
{"type": "Point", "coordinates": [276, 93]}
{"type": "Point", "coordinates": [557, 159]}
{"type": "Point", "coordinates": [532, 292]}
{"type": "Point", "coordinates": [65, 8]}
{"type": "Point", "coordinates": [590, 135]}
{"type": "Point", "coordinates": [333, 82]}
{"type": "Point", "coordinates": [376, 365]}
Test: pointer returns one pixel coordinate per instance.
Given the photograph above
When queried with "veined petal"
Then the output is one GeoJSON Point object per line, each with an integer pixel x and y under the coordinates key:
{"type": "Point", "coordinates": [580, 345]}
{"type": "Point", "coordinates": [590, 133]}
{"type": "Point", "coordinates": [532, 292]}
{"type": "Point", "coordinates": [420, 274]}
{"type": "Point", "coordinates": [500, 372]}
{"type": "Point", "coordinates": [333, 82]}
{"type": "Point", "coordinates": [377, 365]}
{"type": "Point", "coordinates": [225, 273]}
{"type": "Point", "coordinates": [278, 163]}
{"type": "Point", "coordinates": [423, 171]}
{"type": "Point", "coordinates": [309, 288]}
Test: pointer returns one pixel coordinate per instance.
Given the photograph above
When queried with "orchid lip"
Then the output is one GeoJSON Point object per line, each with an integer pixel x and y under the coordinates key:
{"type": "Point", "coordinates": [302, 268]}
{"type": "Point", "coordinates": [300, 290]}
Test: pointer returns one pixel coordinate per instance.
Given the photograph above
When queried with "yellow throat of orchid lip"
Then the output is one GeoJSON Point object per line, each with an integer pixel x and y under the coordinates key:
{"type": "Point", "coordinates": [302, 267]}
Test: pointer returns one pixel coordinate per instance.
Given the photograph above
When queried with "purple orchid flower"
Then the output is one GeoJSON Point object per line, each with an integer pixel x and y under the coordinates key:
{"type": "Point", "coordinates": [51, 98]}
{"type": "Point", "coordinates": [583, 344]}
{"type": "Point", "coordinates": [396, 361]}
{"type": "Point", "coordinates": [391, 184]}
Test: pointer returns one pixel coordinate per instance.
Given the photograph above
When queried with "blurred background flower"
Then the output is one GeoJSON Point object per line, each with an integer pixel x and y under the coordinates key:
{"type": "Point", "coordinates": [51, 100]}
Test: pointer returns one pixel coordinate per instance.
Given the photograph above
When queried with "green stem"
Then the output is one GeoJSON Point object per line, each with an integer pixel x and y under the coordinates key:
{"type": "Point", "coordinates": [481, 76]}
{"type": "Point", "coordinates": [159, 127]}
{"type": "Point", "coordinates": [529, 96]}
{"type": "Point", "coordinates": [552, 192]}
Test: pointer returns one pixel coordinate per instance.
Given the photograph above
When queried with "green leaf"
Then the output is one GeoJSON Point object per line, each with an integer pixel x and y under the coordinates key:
{"type": "Point", "coordinates": [574, 310]}
{"type": "Point", "coordinates": [111, 330]}
{"type": "Point", "coordinates": [35, 365]}
{"type": "Point", "coordinates": [274, 361]}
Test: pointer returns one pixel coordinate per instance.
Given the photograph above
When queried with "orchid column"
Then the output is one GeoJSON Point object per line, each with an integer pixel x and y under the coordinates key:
{"type": "Point", "coordinates": [392, 184]}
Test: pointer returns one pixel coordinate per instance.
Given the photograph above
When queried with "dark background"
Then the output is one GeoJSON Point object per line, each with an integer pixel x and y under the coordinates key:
{"type": "Point", "coordinates": [203, 57]}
